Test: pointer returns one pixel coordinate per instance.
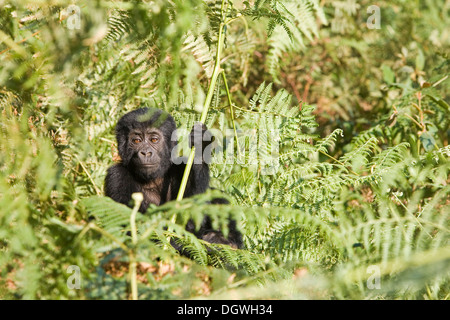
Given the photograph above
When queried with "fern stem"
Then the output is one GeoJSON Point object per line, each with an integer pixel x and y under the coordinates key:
{"type": "Point", "coordinates": [110, 236]}
{"type": "Point", "coordinates": [207, 103]}
{"type": "Point", "coordinates": [97, 190]}
{"type": "Point", "coordinates": [138, 198]}
{"type": "Point", "coordinates": [133, 275]}
{"type": "Point", "coordinates": [341, 163]}
{"type": "Point", "coordinates": [413, 120]}
{"type": "Point", "coordinates": [230, 103]}
{"type": "Point", "coordinates": [412, 214]}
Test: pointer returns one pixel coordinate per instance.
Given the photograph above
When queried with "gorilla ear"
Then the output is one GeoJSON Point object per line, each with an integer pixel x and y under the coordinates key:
{"type": "Point", "coordinates": [122, 140]}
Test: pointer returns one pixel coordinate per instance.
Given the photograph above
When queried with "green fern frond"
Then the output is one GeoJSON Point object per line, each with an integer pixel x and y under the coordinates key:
{"type": "Point", "coordinates": [329, 141]}
{"type": "Point", "coordinates": [360, 154]}
{"type": "Point", "coordinates": [288, 37]}
{"type": "Point", "coordinates": [201, 51]}
{"type": "Point", "coordinates": [389, 157]}
{"type": "Point", "coordinates": [109, 215]}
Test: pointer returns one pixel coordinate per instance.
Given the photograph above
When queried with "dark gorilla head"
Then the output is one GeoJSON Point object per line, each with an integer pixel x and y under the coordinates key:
{"type": "Point", "coordinates": [144, 142]}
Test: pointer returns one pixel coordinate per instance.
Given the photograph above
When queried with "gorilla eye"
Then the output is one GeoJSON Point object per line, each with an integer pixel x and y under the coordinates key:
{"type": "Point", "coordinates": [154, 140]}
{"type": "Point", "coordinates": [136, 140]}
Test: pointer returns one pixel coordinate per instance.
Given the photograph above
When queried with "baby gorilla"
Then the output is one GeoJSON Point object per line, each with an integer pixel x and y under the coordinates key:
{"type": "Point", "coordinates": [146, 142]}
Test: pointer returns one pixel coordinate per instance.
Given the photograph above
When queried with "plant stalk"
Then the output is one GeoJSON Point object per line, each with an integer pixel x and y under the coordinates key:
{"type": "Point", "coordinates": [137, 197]}
{"type": "Point", "coordinates": [206, 105]}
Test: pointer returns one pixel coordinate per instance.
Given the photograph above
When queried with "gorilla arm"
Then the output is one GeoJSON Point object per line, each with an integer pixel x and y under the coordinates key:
{"type": "Point", "coordinates": [198, 181]}
{"type": "Point", "coordinates": [119, 184]}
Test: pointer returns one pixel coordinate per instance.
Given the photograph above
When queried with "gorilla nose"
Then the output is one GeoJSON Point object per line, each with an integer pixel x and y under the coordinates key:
{"type": "Point", "coordinates": [146, 153]}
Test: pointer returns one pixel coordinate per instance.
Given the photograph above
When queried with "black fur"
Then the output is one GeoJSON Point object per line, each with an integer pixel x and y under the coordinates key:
{"type": "Point", "coordinates": [148, 168]}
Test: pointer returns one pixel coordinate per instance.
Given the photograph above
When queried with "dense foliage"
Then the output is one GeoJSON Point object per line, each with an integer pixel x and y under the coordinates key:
{"type": "Point", "coordinates": [353, 204]}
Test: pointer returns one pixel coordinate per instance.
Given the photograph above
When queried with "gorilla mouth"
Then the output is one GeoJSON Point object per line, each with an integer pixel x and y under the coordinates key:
{"type": "Point", "coordinates": [148, 165]}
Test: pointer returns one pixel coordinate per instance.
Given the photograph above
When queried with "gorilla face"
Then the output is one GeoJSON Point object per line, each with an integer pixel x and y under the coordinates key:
{"type": "Point", "coordinates": [151, 155]}
{"type": "Point", "coordinates": [144, 142]}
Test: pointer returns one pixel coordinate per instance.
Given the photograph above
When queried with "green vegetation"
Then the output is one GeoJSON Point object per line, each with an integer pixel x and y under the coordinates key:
{"type": "Point", "coordinates": [355, 204]}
